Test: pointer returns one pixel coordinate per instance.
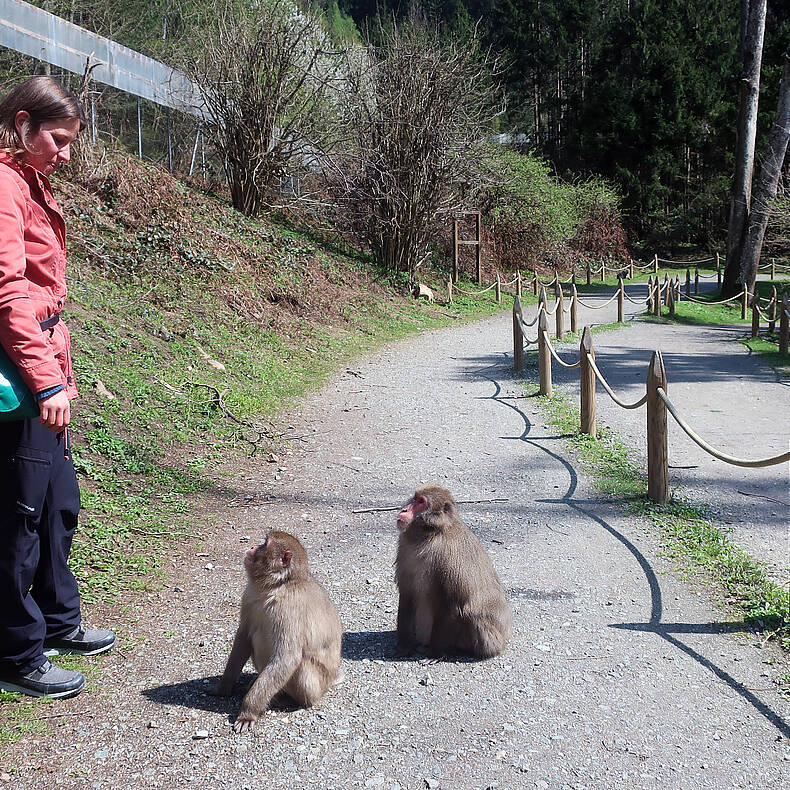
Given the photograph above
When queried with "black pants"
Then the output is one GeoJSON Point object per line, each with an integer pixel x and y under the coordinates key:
{"type": "Point", "coordinates": [39, 503]}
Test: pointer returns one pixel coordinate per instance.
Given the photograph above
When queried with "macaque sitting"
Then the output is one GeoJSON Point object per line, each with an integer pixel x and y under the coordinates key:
{"type": "Point", "coordinates": [450, 597]}
{"type": "Point", "coordinates": [289, 627]}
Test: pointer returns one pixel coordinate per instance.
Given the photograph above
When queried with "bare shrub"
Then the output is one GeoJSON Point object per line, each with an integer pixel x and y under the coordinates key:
{"type": "Point", "coordinates": [265, 73]}
{"type": "Point", "coordinates": [416, 116]}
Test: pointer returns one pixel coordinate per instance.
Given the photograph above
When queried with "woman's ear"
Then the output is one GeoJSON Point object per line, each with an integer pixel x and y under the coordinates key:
{"type": "Point", "coordinates": [22, 123]}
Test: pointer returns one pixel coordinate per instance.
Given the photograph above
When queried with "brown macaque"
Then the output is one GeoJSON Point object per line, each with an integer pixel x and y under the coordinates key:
{"type": "Point", "coordinates": [450, 597]}
{"type": "Point", "coordinates": [289, 627]}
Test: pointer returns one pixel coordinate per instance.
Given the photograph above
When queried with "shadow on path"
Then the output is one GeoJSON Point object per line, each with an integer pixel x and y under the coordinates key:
{"type": "Point", "coordinates": [666, 631]}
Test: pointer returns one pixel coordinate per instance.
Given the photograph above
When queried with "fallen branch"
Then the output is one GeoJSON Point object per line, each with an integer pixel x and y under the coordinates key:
{"type": "Point", "coordinates": [763, 496]}
{"type": "Point", "coordinates": [219, 402]}
{"type": "Point", "coordinates": [160, 534]}
{"type": "Point", "coordinates": [459, 502]}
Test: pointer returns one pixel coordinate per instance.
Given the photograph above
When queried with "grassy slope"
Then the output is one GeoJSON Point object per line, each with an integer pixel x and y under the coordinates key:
{"type": "Point", "coordinates": [202, 325]}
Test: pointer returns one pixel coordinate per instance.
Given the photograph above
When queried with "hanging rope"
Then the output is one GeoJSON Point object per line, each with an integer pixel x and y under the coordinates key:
{"type": "Point", "coordinates": [614, 397]}
{"type": "Point", "coordinates": [474, 293]}
{"type": "Point", "coordinates": [686, 263]}
{"type": "Point", "coordinates": [547, 341]}
{"type": "Point", "coordinates": [724, 301]}
{"type": "Point", "coordinates": [598, 307]}
{"type": "Point", "coordinates": [777, 459]}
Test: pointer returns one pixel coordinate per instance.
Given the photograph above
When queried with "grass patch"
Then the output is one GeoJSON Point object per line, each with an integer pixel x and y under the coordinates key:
{"type": "Point", "coordinates": [702, 548]}
{"type": "Point", "coordinates": [767, 347]}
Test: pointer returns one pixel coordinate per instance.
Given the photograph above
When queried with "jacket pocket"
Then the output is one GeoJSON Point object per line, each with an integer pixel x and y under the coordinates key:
{"type": "Point", "coordinates": [32, 472]}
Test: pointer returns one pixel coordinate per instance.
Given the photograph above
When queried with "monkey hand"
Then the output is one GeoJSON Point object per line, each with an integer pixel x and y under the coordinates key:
{"type": "Point", "coordinates": [245, 721]}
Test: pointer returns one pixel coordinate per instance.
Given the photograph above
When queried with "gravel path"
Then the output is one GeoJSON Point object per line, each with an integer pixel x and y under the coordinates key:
{"type": "Point", "coordinates": [620, 674]}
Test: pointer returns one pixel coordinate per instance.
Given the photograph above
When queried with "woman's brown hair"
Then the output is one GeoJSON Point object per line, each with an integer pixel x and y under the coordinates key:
{"type": "Point", "coordinates": [44, 99]}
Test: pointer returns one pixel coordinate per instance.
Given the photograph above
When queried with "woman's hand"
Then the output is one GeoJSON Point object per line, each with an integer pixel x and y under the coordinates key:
{"type": "Point", "coordinates": [55, 411]}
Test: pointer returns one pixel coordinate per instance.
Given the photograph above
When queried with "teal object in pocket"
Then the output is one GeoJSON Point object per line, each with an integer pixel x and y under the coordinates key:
{"type": "Point", "coordinates": [16, 400]}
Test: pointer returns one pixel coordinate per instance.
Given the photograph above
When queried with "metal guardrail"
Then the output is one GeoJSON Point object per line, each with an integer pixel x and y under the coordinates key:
{"type": "Point", "coordinates": [39, 34]}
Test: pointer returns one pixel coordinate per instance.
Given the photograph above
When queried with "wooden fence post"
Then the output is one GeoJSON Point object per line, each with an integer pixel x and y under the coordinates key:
{"type": "Point", "coordinates": [449, 290]}
{"type": "Point", "coordinates": [574, 309]}
{"type": "Point", "coordinates": [542, 304]}
{"type": "Point", "coordinates": [559, 313]}
{"type": "Point", "coordinates": [655, 263]}
{"type": "Point", "coordinates": [718, 270]}
{"type": "Point", "coordinates": [696, 280]}
{"type": "Point", "coordinates": [587, 384]}
{"type": "Point", "coordinates": [755, 315]}
{"type": "Point", "coordinates": [744, 301]}
{"type": "Point", "coordinates": [784, 322]}
{"type": "Point", "coordinates": [535, 282]}
{"type": "Point", "coordinates": [649, 300]}
{"type": "Point", "coordinates": [518, 282]}
{"type": "Point", "coordinates": [603, 272]}
{"type": "Point", "coordinates": [773, 268]}
{"type": "Point", "coordinates": [772, 311]}
{"type": "Point", "coordinates": [657, 462]}
{"type": "Point", "coordinates": [498, 289]}
{"type": "Point", "coordinates": [588, 272]}
{"type": "Point", "coordinates": [670, 294]}
{"type": "Point", "coordinates": [455, 249]}
{"type": "Point", "coordinates": [666, 288]}
{"type": "Point", "coordinates": [518, 336]}
{"type": "Point", "coordinates": [544, 355]}
{"type": "Point", "coordinates": [479, 236]}
{"type": "Point", "coordinates": [688, 283]}
{"type": "Point", "coordinates": [620, 300]}
{"type": "Point", "coordinates": [631, 269]}
{"type": "Point", "coordinates": [678, 290]}
{"type": "Point", "coordinates": [656, 296]}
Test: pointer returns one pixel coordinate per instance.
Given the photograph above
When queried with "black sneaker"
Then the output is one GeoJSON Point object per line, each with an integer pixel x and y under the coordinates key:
{"type": "Point", "coordinates": [46, 681]}
{"type": "Point", "coordinates": [82, 641]}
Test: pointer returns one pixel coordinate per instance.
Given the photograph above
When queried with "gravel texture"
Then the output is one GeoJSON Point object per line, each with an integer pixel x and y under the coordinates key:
{"type": "Point", "coordinates": [620, 674]}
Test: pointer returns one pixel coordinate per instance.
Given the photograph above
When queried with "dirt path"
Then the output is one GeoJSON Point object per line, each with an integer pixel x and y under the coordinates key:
{"type": "Point", "coordinates": [619, 674]}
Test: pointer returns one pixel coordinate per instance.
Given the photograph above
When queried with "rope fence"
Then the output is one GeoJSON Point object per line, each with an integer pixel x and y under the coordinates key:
{"type": "Point", "coordinates": [655, 397]}
{"type": "Point", "coordinates": [666, 293]}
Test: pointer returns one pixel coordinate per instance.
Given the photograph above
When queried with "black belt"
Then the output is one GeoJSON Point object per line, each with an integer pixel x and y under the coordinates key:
{"type": "Point", "coordinates": [50, 322]}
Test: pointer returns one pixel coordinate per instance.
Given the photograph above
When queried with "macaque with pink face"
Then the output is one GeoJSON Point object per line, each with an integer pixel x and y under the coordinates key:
{"type": "Point", "coordinates": [287, 625]}
{"type": "Point", "coordinates": [450, 597]}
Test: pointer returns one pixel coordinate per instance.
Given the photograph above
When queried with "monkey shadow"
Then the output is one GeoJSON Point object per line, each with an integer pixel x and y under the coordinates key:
{"type": "Point", "coordinates": [382, 646]}
{"type": "Point", "coordinates": [369, 645]}
{"type": "Point", "coordinates": [195, 694]}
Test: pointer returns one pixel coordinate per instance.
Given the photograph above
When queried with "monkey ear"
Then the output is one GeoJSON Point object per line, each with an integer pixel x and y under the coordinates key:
{"type": "Point", "coordinates": [285, 559]}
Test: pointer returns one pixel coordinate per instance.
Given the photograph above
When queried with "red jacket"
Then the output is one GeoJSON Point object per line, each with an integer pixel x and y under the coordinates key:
{"type": "Point", "coordinates": [33, 277]}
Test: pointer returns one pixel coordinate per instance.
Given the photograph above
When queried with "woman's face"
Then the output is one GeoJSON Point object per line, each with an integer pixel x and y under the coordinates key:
{"type": "Point", "coordinates": [49, 145]}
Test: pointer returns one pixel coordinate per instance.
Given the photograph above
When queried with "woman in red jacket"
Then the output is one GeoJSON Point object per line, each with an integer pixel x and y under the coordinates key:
{"type": "Point", "coordinates": [39, 495]}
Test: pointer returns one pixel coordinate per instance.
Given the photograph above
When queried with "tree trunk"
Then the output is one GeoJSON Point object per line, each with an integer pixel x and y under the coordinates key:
{"type": "Point", "coordinates": [767, 181]}
{"type": "Point", "coordinates": [752, 35]}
